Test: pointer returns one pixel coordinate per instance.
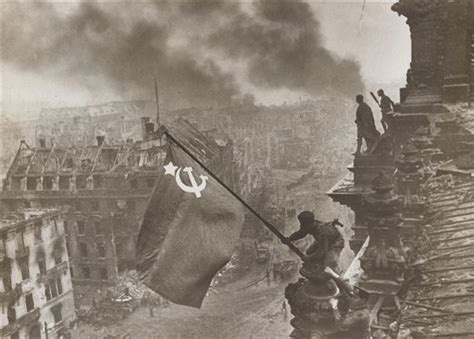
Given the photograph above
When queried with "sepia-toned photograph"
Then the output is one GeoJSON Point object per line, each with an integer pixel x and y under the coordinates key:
{"type": "Point", "coordinates": [244, 169]}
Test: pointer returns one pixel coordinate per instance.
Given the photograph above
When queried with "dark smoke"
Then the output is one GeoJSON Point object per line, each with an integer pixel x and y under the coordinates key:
{"type": "Point", "coordinates": [283, 48]}
{"type": "Point", "coordinates": [123, 46]}
{"type": "Point", "coordinates": [93, 44]}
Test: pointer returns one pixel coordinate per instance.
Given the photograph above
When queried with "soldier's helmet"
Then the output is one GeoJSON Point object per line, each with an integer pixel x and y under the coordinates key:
{"type": "Point", "coordinates": [306, 217]}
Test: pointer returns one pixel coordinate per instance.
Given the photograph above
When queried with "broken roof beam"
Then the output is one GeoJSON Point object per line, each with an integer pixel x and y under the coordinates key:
{"type": "Point", "coordinates": [48, 158]}
{"type": "Point", "coordinates": [124, 160]}
{"type": "Point", "coordinates": [61, 164]}
{"type": "Point", "coordinates": [15, 158]}
{"type": "Point", "coordinates": [31, 162]}
{"type": "Point", "coordinates": [116, 157]}
{"type": "Point", "coordinates": [94, 162]}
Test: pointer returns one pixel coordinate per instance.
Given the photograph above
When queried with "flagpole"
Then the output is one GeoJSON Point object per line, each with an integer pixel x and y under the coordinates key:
{"type": "Point", "coordinates": [272, 228]}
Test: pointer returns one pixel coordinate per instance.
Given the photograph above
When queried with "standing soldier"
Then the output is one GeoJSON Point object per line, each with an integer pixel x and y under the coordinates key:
{"type": "Point", "coordinates": [386, 105]}
{"type": "Point", "coordinates": [365, 126]}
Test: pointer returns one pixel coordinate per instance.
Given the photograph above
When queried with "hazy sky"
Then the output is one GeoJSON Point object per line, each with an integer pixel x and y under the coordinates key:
{"type": "Point", "coordinates": [370, 33]}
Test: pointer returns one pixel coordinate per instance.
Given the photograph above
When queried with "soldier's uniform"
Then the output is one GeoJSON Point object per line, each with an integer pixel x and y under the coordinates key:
{"type": "Point", "coordinates": [365, 127]}
{"type": "Point", "coordinates": [386, 105]}
{"type": "Point", "coordinates": [328, 241]}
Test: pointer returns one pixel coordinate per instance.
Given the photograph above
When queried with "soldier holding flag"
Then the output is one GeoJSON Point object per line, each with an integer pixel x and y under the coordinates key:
{"type": "Point", "coordinates": [386, 105]}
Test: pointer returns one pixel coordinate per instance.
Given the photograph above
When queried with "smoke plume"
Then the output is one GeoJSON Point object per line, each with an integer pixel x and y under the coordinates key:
{"type": "Point", "coordinates": [190, 46]}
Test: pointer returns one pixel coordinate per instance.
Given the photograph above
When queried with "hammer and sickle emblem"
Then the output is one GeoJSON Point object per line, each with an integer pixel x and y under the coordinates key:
{"type": "Point", "coordinates": [194, 188]}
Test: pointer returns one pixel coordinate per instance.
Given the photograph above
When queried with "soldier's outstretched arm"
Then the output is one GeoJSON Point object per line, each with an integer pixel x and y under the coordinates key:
{"type": "Point", "coordinates": [300, 234]}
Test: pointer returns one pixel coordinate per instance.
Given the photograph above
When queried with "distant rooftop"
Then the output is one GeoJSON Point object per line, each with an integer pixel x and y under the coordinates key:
{"type": "Point", "coordinates": [104, 158]}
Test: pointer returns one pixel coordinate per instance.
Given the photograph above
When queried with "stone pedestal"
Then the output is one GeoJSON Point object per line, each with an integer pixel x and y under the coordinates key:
{"type": "Point", "coordinates": [383, 262]}
{"type": "Point", "coordinates": [317, 307]}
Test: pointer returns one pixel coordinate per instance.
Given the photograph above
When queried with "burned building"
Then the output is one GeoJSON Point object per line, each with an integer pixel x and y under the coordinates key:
{"type": "Point", "coordinates": [36, 288]}
{"type": "Point", "coordinates": [79, 126]}
{"type": "Point", "coordinates": [107, 188]}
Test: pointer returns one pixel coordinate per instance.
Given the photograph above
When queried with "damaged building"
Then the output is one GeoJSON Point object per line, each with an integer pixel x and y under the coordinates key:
{"type": "Point", "coordinates": [412, 195]}
{"type": "Point", "coordinates": [79, 126]}
{"type": "Point", "coordinates": [36, 288]}
{"type": "Point", "coordinates": [106, 187]}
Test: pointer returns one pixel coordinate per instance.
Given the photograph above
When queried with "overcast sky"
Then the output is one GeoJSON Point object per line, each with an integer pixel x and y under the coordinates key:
{"type": "Point", "coordinates": [370, 33]}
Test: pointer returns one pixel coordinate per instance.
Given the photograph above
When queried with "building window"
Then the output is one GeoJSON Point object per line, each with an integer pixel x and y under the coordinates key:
{"type": "Point", "coordinates": [25, 270]}
{"type": "Point", "coordinates": [81, 182]}
{"type": "Point", "coordinates": [37, 230]}
{"type": "Point", "coordinates": [41, 264]}
{"type": "Point", "coordinates": [103, 273]}
{"type": "Point", "coordinates": [98, 228]}
{"type": "Point", "coordinates": [59, 285]}
{"type": "Point", "coordinates": [47, 292]}
{"type": "Point", "coordinates": [97, 181]}
{"type": "Point", "coordinates": [11, 314]}
{"type": "Point", "coordinates": [53, 288]}
{"type": "Point", "coordinates": [77, 206]}
{"type": "Point", "coordinates": [95, 206]}
{"type": "Point", "coordinates": [56, 310]}
{"type": "Point", "coordinates": [101, 250]}
{"type": "Point", "coordinates": [29, 302]}
{"type": "Point", "coordinates": [131, 205]}
{"type": "Point", "coordinates": [133, 184]}
{"type": "Point", "coordinates": [86, 272]}
{"type": "Point", "coordinates": [58, 258]}
{"type": "Point", "coordinates": [150, 182]}
{"type": "Point", "coordinates": [64, 182]}
{"type": "Point", "coordinates": [55, 231]}
{"type": "Point", "coordinates": [31, 184]}
{"type": "Point", "coordinates": [83, 249]}
{"type": "Point", "coordinates": [7, 283]}
{"type": "Point", "coordinates": [20, 241]}
{"type": "Point", "coordinates": [81, 227]}
{"type": "Point", "coordinates": [47, 183]}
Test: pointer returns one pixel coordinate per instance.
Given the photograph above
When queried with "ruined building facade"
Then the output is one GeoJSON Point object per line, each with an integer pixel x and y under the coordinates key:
{"type": "Point", "coordinates": [106, 188]}
{"type": "Point", "coordinates": [35, 285]}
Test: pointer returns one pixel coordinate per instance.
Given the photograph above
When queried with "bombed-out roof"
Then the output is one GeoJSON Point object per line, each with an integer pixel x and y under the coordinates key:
{"type": "Point", "coordinates": [448, 279]}
{"type": "Point", "coordinates": [141, 155]}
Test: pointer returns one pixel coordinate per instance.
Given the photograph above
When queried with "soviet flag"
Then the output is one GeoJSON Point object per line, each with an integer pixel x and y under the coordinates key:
{"type": "Point", "coordinates": [189, 230]}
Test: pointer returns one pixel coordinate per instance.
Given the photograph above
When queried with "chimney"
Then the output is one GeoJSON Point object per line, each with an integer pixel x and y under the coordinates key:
{"type": "Point", "coordinates": [144, 121]}
{"type": "Point", "coordinates": [100, 140]}
{"type": "Point", "coordinates": [149, 129]}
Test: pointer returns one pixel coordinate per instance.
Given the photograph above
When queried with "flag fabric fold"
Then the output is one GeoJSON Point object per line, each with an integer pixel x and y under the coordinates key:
{"type": "Point", "coordinates": [188, 232]}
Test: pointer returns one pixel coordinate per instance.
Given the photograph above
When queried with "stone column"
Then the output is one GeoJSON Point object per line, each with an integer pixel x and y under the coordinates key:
{"type": "Point", "coordinates": [39, 183]}
{"type": "Point", "coordinates": [457, 49]}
